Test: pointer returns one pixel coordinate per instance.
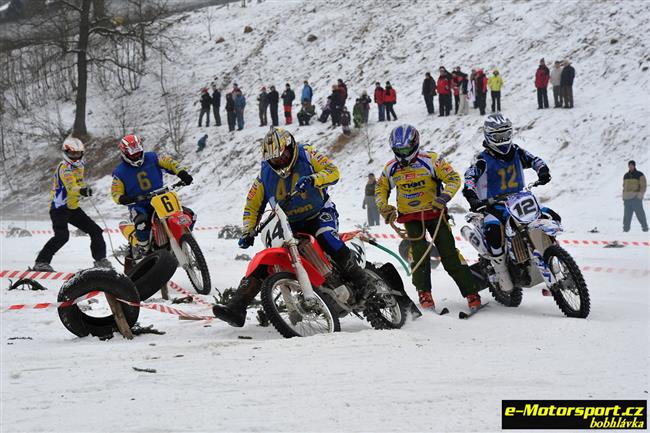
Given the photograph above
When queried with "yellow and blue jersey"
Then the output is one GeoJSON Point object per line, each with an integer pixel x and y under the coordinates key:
{"type": "Point", "coordinates": [66, 184]}
{"type": "Point", "coordinates": [418, 184]}
{"type": "Point", "coordinates": [270, 186]}
{"type": "Point", "coordinates": [490, 176]}
{"type": "Point", "coordinates": [135, 181]}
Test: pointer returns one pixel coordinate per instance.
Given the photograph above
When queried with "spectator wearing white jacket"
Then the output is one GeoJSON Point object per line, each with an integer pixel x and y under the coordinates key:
{"type": "Point", "coordinates": [556, 77]}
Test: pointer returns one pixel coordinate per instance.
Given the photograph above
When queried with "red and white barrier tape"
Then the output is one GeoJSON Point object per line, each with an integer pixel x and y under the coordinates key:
{"type": "Point", "coordinates": [185, 292]}
{"type": "Point", "coordinates": [35, 275]}
{"type": "Point", "coordinates": [46, 305]}
{"type": "Point", "coordinates": [578, 242]}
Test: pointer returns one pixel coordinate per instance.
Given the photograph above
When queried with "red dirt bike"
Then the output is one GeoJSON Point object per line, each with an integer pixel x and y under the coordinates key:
{"type": "Point", "coordinates": [171, 229]}
{"type": "Point", "coordinates": [305, 294]}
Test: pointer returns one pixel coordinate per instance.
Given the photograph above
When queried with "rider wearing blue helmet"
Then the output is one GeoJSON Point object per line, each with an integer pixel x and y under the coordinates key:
{"type": "Point", "coordinates": [425, 182]}
{"type": "Point", "coordinates": [499, 169]}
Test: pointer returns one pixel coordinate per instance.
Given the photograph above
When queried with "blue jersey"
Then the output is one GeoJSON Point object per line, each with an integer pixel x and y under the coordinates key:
{"type": "Point", "coordinates": [490, 176]}
{"type": "Point", "coordinates": [303, 205]}
{"type": "Point", "coordinates": [136, 181]}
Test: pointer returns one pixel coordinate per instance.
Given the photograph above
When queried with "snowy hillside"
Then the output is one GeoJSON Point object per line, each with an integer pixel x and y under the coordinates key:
{"type": "Point", "coordinates": [586, 148]}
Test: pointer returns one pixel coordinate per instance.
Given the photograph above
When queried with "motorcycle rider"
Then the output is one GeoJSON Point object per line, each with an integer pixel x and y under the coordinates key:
{"type": "Point", "coordinates": [68, 186]}
{"type": "Point", "coordinates": [139, 173]}
{"type": "Point", "coordinates": [499, 169]}
{"type": "Point", "coordinates": [288, 166]}
{"type": "Point", "coordinates": [425, 183]}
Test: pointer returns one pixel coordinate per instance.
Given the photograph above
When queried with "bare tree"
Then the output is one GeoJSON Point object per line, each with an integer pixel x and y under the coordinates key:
{"type": "Point", "coordinates": [176, 127]}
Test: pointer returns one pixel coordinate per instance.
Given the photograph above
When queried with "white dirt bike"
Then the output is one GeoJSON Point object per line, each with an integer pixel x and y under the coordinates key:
{"type": "Point", "coordinates": [532, 255]}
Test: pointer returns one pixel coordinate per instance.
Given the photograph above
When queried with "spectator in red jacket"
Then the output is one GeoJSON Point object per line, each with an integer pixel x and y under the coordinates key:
{"type": "Point", "coordinates": [343, 89]}
{"type": "Point", "coordinates": [480, 88]}
{"type": "Point", "coordinates": [541, 81]}
{"type": "Point", "coordinates": [455, 87]}
{"type": "Point", "coordinates": [379, 100]}
{"type": "Point", "coordinates": [390, 99]}
{"type": "Point", "coordinates": [444, 92]}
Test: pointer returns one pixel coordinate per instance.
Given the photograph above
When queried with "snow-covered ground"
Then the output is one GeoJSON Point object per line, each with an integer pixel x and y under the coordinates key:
{"type": "Point", "coordinates": [437, 373]}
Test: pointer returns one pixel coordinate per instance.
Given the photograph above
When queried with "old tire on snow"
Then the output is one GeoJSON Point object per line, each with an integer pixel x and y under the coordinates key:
{"type": "Point", "coordinates": [104, 280]}
{"type": "Point", "coordinates": [153, 272]}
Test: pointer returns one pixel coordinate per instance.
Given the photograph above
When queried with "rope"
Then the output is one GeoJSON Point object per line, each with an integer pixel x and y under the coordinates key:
{"type": "Point", "coordinates": [402, 233]}
{"type": "Point", "coordinates": [110, 239]}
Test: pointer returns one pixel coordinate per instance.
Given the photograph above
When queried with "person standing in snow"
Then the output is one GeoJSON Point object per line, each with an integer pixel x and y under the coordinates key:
{"type": "Point", "coordinates": [263, 105]}
{"type": "Point", "coordinates": [566, 82]}
{"type": "Point", "coordinates": [634, 186]}
{"type": "Point", "coordinates": [216, 103]}
{"type": "Point", "coordinates": [345, 120]}
{"type": "Point", "coordinates": [343, 89]}
{"type": "Point", "coordinates": [287, 99]}
{"type": "Point", "coordinates": [230, 111]}
{"type": "Point", "coordinates": [480, 87]}
{"type": "Point", "coordinates": [471, 91]}
{"type": "Point", "coordinates": [455, 88]}
{"type": "Point", "coordinates": [369, 202]}
{"type": "Point", "coordinates": [240, 102]}
{"type": "Point", "coordinates": [444, 93]}
{"type": "Point", "coordinates": [541, 81]}
{"type": "Point", "coordinates": [429, 91]}
{"type": "Point", "coordinates": [357, 113]}
{"type": "Point", "coordinates": [365, 103]}
{"type": "Point", "coordinates": [426, 175]}
{"type": "Point", "coordinates": [68, 186]}
{"type": "Point", "coordinates": [206, 103]}
{"type": "Point", "coordinates": [336, 105]}
{"type": "Point", "coordinates": [390, 99]}
{"type": "Point", "coordinates": [274, 99]}
{"type": "Point", "coordinates": [379, 100]}
{"type": "Point", "coordinates": [461, 82]}
{"type": "Point", "coordinates": [307, 93]}
{"type": "Point", "coordinates": [556, 82]}
{"type": "Point", "coordinates": [495, 83]}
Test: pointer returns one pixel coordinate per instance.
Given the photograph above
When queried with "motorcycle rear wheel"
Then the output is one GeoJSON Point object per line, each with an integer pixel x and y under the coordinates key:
{"type": "Point", "coordinates": [298, 320]}
{"type": "Point", "coordinates": [197, 269]}
{"type": "Point", "coordinates": [570, 292]}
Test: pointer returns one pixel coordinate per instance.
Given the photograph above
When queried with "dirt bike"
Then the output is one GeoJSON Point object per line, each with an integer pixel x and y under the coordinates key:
{"type": "Point", "coordinates": [305, 294]}
{"type": "Point", "coordinates": [171, 229]}
{"type": "Point", "coordinates": [533, 255]}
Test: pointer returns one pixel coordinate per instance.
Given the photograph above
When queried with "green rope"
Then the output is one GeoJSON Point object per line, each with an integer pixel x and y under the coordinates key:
{"type": "Point", "coordinates": [392, 253]}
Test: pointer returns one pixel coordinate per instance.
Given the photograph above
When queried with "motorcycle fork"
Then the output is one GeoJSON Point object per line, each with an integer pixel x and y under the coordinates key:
{"type": "Point", "coordinates": [538, 259]}
{"type": "Point", "coordinates": [174, 245]}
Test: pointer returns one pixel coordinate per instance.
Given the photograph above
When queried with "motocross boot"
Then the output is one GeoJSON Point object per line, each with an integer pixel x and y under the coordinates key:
{"type": "Point", "coordinates": [426, 300]}
{"type": "Point", "coordinates": [234, 312]}
{"type": "Point", "coordinates": [501, 270]}
{"type": "Point", "coordinates": [351, 271]}
{"type": "Point", "coordinates": [473, 301]}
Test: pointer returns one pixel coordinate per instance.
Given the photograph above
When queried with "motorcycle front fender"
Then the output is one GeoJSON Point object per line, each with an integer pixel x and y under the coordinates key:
{"type": "Point", "coordinates": [178, 224]}
{"type": "Point", "coordinates": [280, 257]}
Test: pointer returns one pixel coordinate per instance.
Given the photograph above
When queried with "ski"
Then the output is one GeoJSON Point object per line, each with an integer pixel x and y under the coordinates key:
{"type": "Point", "coordinates": [464, 315]}
{"type": "Point", "coordinates": [442, 312]}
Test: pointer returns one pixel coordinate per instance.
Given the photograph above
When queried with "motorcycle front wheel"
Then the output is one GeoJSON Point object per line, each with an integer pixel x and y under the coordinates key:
{"type": "Point", "coordinates": [289, 313]}
{"type": "Point", "coordinates": [383, 311]}
{"type": "Point", "coordinates": [196, 268]}
{"type": "Point", "coordinates": [570, 291]}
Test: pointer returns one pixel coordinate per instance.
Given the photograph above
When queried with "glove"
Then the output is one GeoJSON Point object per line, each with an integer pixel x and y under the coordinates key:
{"type": "Point", "coordinates": [125, 199]}
{"type": "Point", "coordinates": [86, 192]}
{"type": "Point", "coordinates": [443, 199]}
{"type": "Point", "coordinates": [304, 182]}
{"type": "Point", "coordinates": [544, 176]}
{"type": "Point", "coordinates": [246, 241]}
{"type": "Point", "coordinates": [389, 213]}
{"type": "Point", "coordinates": [185, 177]}
{"type": "Point", "coordinates": [475, 204]}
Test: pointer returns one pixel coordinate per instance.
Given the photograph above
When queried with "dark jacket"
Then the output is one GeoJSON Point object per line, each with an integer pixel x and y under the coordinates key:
{"type": "Point", "coordinates": [288, 96]}
{"type": "Point", "coordinates": [365, 101]}
{"type": "Point", "coordinates": [461, 80]}
{"type": "Point", "coordinates": [370, 189]}
{"type": "Point", "coordinates": [634, 185]}
{"type": "Point", "coordinates": [345, 118]}
{"type": "Point", "coordinates": [568, 74]}
{"type": "Point", "coordinates": [216, 98]}
{"type": "Point", "coordinates": [336, 98]}
{"type": "Point", "coordinates": [429, 86]}
{"type": "Point", "coordinates": [230, 103]}
{"type": "Point", "coordinates": [206, 101]}
{"type": "Point", "coordinates": [263, 99]}
{"type": "Point", "coordinates": [274, 97]}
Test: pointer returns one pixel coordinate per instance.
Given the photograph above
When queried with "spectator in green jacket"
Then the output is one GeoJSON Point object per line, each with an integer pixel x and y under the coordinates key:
{"type": "Point", "coordinates": [634, 186]}
{"type": "Point", "coordinates": [495, 83]}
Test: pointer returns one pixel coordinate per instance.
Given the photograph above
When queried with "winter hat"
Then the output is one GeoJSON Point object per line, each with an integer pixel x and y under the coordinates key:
{"type": "Point", "coordinates": [263, 89]}
{"type": "Point", "coordinates": [631, 161]}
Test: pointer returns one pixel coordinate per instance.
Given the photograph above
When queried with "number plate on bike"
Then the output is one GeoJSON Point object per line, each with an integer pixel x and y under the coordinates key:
{"type": "Point", "coordinates": [523, 207]}
{"type": "Point", "coordinates": [166, 204]}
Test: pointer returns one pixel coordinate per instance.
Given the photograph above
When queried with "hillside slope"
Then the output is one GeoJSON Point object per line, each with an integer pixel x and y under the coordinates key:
{"type": "Point", "coordinates": [586, 147]}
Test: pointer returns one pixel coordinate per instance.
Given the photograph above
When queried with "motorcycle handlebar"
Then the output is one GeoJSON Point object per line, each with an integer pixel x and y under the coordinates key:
{"type": "Point", "coordinates": [281, 203]}
{"type": "Point", "coordinates": [164, 189]}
